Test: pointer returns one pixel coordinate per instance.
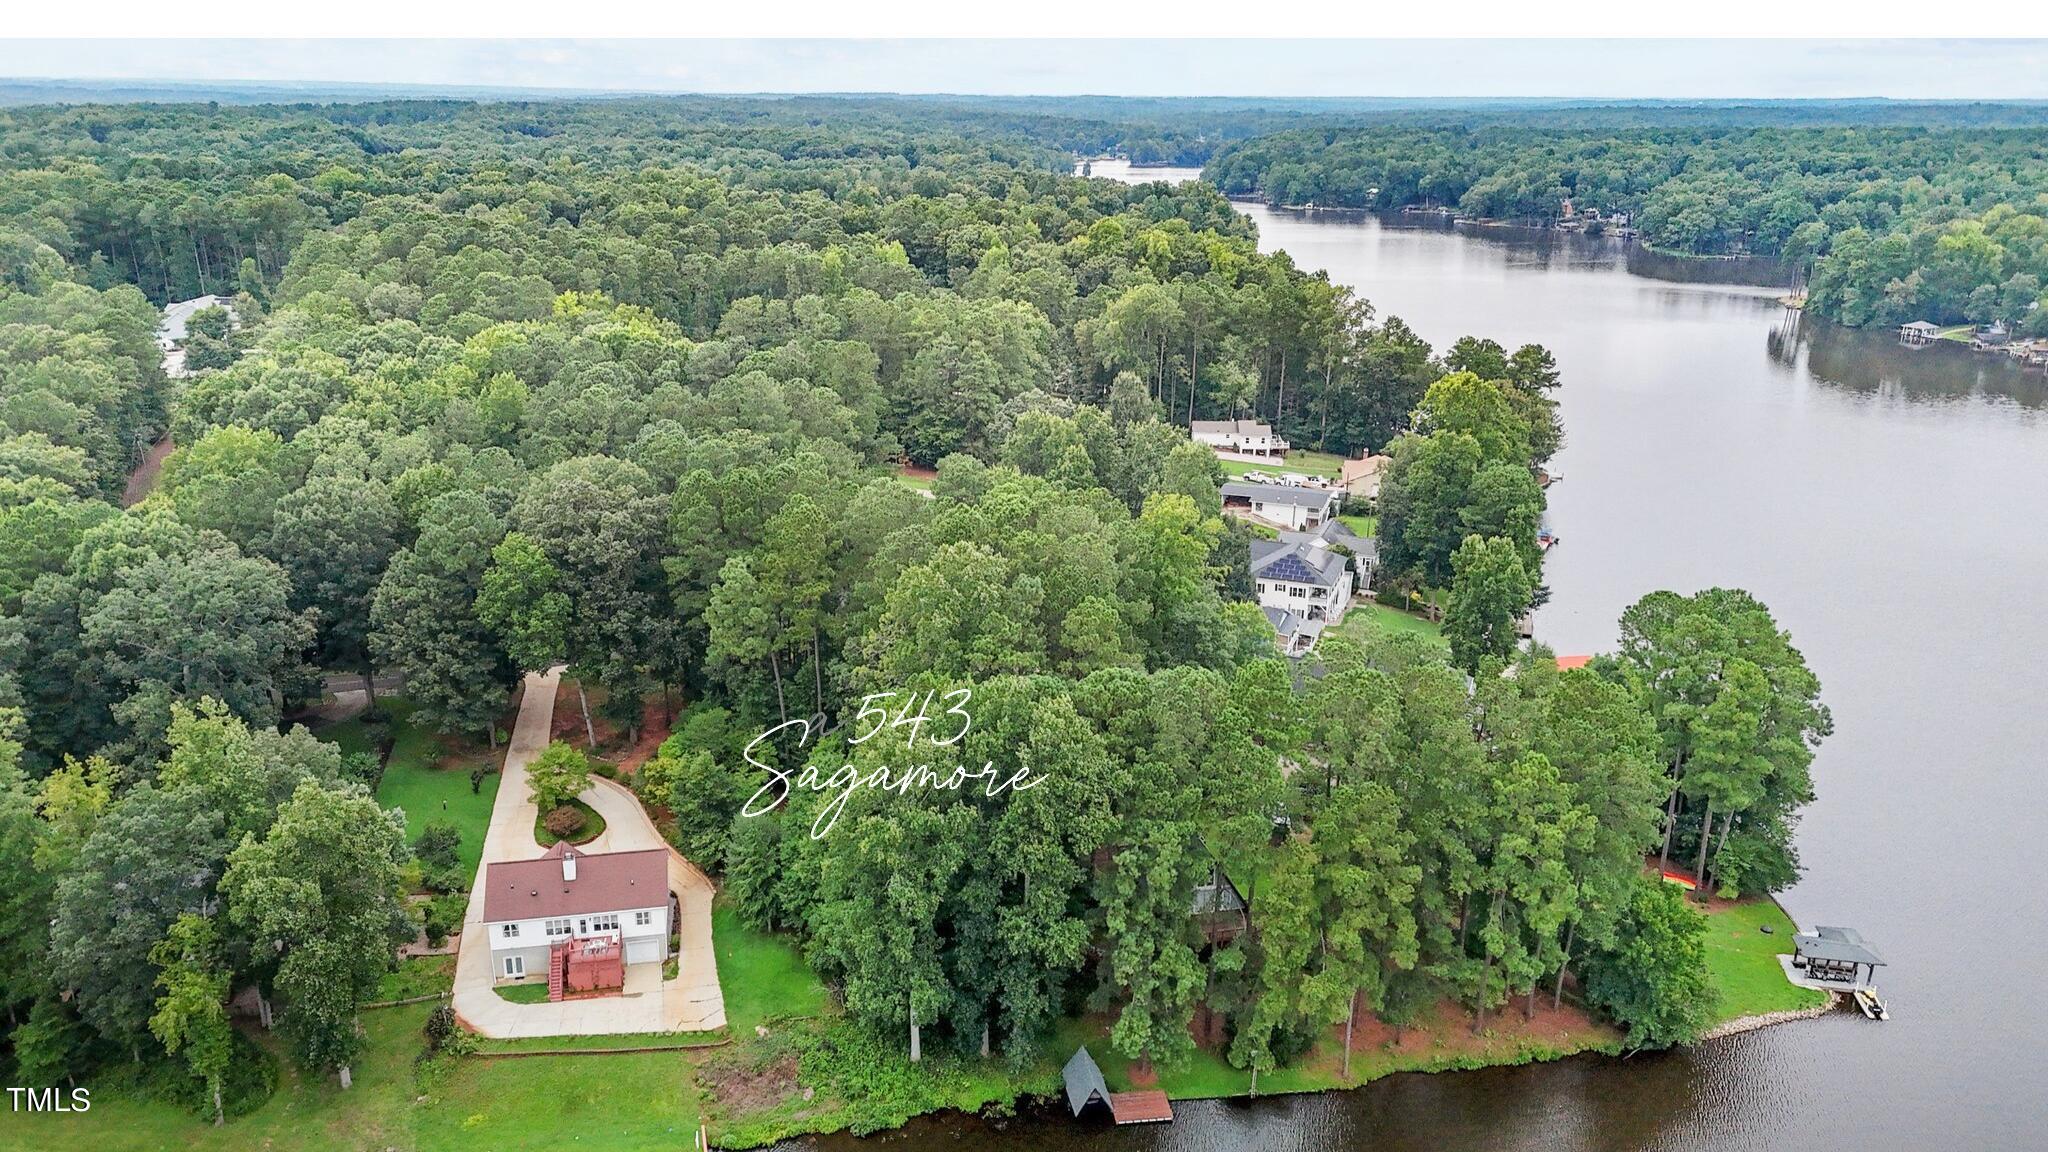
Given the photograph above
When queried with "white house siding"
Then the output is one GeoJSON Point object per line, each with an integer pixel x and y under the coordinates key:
{"type": "Point", "coordinates": [1289, 516]}
{"type": "Point", "coordinates": [1301, 598]}
{"type": "Point", "coordinates": [536, 958]}
{"type": "Point", "coordinates": [644, 943]}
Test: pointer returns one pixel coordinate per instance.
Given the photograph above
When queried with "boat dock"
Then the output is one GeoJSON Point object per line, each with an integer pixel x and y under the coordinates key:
{"type": "Point", "coordinates": [1837, 961]}
{"type": "Point", "coordinates": [1085, 1086]}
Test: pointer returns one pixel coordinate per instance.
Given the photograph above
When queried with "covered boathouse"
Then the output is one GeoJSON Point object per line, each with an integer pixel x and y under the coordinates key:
{"type": "Point", "coordinates": [1086, 1086]}
{"type": "Point", "coordinates": [1836, 956]}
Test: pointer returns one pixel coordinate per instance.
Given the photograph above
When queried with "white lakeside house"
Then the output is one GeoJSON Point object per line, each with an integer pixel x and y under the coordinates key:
{"type": "Point", "coordinates": [1303, 585]}
{"type": "Point", "coordinates": [1239, 437]}
{"type": "Point", "coordinates": [1285, 506]}
{"type": "Point", "coordinates": [571, 897]}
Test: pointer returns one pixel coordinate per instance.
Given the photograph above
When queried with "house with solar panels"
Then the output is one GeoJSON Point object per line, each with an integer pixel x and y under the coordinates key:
{"type": "Point", "coordinates": [1303, 585]}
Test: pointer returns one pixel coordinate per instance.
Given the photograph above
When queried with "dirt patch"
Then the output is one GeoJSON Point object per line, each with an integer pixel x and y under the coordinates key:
{"type": "Point", "coordinates": [917, 471]}
{"type": "Point", "coordinates": [654, 722]}
{"type": "Point", "coordinates": [143, 479]}
{"type": "Point", "coordinates": [740, 1088]}
{"type": "Point", "coordinates": [1447, 1029]}
{"type": "Point", "coordinates": [567, 723]}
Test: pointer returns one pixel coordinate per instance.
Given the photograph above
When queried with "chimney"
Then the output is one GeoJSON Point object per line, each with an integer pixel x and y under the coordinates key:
{"type": "Point", "coordinates": [568, 866]}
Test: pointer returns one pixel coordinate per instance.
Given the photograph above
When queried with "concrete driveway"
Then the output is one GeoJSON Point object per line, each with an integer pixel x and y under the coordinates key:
{"type": "Point", "coordinates": [692, 1002]}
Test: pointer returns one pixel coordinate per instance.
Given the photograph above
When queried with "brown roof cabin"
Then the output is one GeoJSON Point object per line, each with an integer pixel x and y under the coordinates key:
{"type": "Point", "coordinates": [1219, 909]}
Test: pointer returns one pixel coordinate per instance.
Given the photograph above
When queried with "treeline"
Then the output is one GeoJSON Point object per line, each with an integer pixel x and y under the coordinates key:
{"type": "Point", "coordinates": [505, 407]}
{"type": "Point", "coordinates": [1889, 224]}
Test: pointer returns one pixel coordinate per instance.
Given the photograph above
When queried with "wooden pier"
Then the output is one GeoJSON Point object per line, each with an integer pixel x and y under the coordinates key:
{"type": "Point", "coordinates": [1085, 1086]}
{"type": "Point", "coordinates": [1140, 1107]}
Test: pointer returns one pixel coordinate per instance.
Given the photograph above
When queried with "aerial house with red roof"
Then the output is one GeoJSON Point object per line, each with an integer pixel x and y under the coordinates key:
{"type": "Point", "coordinates": [577, 919]}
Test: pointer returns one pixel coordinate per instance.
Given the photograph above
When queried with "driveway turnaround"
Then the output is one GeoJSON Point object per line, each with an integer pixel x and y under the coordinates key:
{"type": "Point", "coordinates": [692, 1002]}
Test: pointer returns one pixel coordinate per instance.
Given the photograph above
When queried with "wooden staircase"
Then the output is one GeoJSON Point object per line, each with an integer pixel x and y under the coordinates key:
{"type": "Point", "coordinates": [558, 963]}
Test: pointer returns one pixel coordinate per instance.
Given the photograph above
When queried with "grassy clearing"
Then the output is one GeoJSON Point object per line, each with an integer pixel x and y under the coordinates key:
{"type": "Point", "coordinates": [418, 976]}
{"type": "Point", "coordinates": [1324, 464]}
{"type": "Point", "coordinates": [305, 1115]}
{"type": "Point", "coordinates": [1369, 615]}
{"type": "Point", "coordinates": [414, 781]}
{"type": "Point", "coordinates": [621, 1103]}
{"type": "Point", "coordinates": [762, 975]}
{"type": "Point", "coordinates": [670, 1040]}
{"type": "Point", "coordinates": [1361, 524]}
{"type": "Point", "coordinates": [588, 829]}
{"type": "Point", "coordinates": [1742, 960]}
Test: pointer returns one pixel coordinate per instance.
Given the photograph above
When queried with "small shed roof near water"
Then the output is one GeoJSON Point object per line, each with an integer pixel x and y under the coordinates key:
{"type": "Point", "coordinates": [1920, 326]}
{"type": "Point", "coordinates": [1843, 945]}
{"type": "Point", "coordinates": [1084, 1080]}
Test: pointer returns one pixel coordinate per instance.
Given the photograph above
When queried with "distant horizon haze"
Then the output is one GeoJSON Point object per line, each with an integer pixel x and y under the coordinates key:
{"type": "Point", "coordinates": [1683, 70]}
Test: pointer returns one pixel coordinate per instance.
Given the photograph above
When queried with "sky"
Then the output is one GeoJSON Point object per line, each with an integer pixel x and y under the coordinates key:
{"type": "Point", "coordinates": [1920, 69]}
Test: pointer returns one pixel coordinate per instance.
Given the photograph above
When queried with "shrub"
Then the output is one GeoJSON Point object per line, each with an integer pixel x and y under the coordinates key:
{"type": "Point", "coordinates": [453, 878]}
{"type": "Point", "coordinates": [1653, 980]}
{"type": "Point", "coordinates": [250, 1081]}
{"type": "Point", "coordinates": [439, 845]}
{"type": "Point", "coordinates": [563, 821]}
{"type": "Point", "coordinates": [558, 775]}
{"type": "Point", "coordinates": [704, 798]}
{"type": "Point", "coordinates": [443, 918]}
{"type": "Point", "coordinates": [367, 767]}
{"type": "Point", "coordinates": [440, 1027]}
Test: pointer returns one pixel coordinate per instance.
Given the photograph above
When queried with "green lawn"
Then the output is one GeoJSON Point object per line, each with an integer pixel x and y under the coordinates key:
{"type": "Point", "coordinates": [418, 976]}
{"type": "Point", "coordinates": [305, 1115]}
{"type": "Point", "coordinates": [534, 993]}
{"type": "Point", "coordinates": [762, 975]}
{"type": "Point", "coordinates": [592, 825]}
{"type": "Point", "coordinates": [1361, 524]}
{"type": "Point", "coordinates": [1370, 615]}
{"type": "Point", "coordinates": [1742, 960]}
{"type": "Point", "coordinates": [601, 1042]}
{"type": "Point", "coordinates": [413, 783]}
{"type": "Point", "coordinates": [617, 1103]}
{"type": "Point", "coordinates": [1324, 464]}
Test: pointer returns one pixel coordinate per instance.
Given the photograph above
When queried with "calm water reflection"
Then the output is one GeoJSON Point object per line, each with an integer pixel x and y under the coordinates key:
{"type": "Point", "coordinates": [1890, 506]}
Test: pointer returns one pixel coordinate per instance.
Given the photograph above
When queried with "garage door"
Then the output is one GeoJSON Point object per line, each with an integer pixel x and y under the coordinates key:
{"type": "Point", "coordinates": [646, 950]}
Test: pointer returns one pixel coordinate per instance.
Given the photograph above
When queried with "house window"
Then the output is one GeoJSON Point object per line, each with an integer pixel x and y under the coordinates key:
{"type": "Point", "coordinates": [558, 927]}
{"type": "Point", "coordinates": [1297, 592]}
{"type": "Point", "coordinates": [509, 931]}
{"type": "Point", "coordinates": [642, 919]}
{"type": "Point", "coordinates": [515, 967]}
{"type": "Point", "coordinates": [609, 922]}
{"type": "Point", "coordinates": [1262, 587]}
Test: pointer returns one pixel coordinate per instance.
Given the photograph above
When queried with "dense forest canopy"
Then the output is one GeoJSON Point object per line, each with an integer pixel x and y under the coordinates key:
{"type": "Point", "coordinates": [625, 386]}
{"type": "Point", "coordinates": [1887, 223]}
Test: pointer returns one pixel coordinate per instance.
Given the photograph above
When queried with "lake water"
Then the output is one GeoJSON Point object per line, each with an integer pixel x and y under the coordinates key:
{"type": "Point", "coordinates": [1891, 506]}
